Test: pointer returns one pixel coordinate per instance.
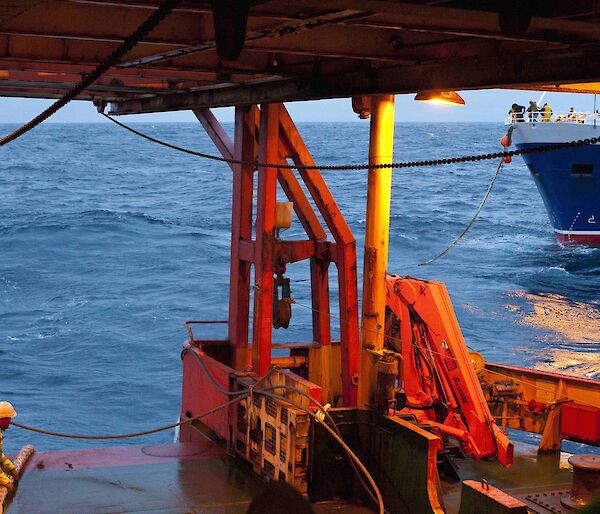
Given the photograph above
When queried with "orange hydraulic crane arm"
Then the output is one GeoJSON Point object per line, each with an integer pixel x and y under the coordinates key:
{"type": "Point", "coordinates": [440, 383]}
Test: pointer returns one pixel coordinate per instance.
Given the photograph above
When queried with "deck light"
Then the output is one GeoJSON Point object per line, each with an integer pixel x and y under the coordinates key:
{"type": "Point", "coordinates": [440, 97]}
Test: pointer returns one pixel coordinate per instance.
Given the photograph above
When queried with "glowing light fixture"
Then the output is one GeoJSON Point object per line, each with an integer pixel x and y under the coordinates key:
{"type": "Point", "coordinates": [440, 97]}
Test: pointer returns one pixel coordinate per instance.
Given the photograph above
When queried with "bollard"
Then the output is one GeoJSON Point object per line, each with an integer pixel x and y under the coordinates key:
{"type": "Point", "coordinates": [586, 480]}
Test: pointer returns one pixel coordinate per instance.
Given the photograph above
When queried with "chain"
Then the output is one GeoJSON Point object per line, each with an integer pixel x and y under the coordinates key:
{"type": "Point", "coordinates": [138, 34]}
{"type": "Point", "coordinates": [356, 167]}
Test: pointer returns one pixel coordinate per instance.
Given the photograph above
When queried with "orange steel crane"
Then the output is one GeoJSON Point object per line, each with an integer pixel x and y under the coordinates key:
{"type": "Point", "coordinates": [440, 383]}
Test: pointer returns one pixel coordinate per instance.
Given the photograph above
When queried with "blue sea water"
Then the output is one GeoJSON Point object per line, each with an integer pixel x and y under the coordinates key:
{"type": "Point", "coordinates": [109, 242]}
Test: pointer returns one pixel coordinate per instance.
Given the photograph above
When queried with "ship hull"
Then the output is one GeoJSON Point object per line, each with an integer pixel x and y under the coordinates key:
{"type": "Point", "coordinates": [568, 179]}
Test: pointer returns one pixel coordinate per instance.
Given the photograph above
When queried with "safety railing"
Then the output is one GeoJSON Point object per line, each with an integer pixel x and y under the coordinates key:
{"type": "Point", "coordinates": [588, 118]}
{"type": "Point", "coordinates": [188, 325]}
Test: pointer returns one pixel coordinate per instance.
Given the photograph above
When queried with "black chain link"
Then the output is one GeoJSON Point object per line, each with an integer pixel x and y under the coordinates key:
{"type": "Point", "coordinates": [356, 167]}
{"type": "Point", "coordinates": [137, 35]}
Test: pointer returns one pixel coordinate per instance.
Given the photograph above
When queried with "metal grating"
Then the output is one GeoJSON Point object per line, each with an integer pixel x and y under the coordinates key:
{"type": "Point", "coordinates": [284, 417]}
{"type": "Point", "coordinates": [282, 447]}
{"type": "Point", "coordinates": [271, 408]}
{"type": "Point", "coordinates": [269, 468]}
{"type": "Point", "coordinates": [242, 423]}
{"type": "Point", "coordinates": [240, 446]}
{"type": "Point", "coordinates": [270, 438]}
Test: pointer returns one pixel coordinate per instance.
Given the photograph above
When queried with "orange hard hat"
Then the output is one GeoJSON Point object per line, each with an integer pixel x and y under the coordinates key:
{"type": "Point", "coordinates": [7, 410]}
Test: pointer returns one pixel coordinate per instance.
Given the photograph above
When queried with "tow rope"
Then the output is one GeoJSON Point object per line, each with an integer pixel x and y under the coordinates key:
{"type": "Point", "coordinates": [481, 204]}
{"type": "Point", "coordinates": [136, 36]}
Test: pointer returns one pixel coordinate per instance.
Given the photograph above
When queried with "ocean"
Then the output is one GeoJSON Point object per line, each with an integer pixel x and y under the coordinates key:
{"type": "Point", "coordinates": [109, 243]}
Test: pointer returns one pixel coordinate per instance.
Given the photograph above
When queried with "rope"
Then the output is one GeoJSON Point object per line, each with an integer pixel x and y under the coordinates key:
{"type": "Point", "coordinates": [356, 167]}
{"type": "Point", "coordinates": [240, 397]}
{"type": "Point", "coordinates": [477, 212]}
{"type": "Point", "coordinates": [138, 34]}
{"type": "Point", "coordinates": [473, 219]}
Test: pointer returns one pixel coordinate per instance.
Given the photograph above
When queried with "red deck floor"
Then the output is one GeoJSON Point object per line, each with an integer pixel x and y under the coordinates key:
{"type": "Point", "coordinates": [171, 479]}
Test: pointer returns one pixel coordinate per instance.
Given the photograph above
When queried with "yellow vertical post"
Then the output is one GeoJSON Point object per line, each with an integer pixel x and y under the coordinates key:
{"type": "Point", "coordinates": [379, 189]}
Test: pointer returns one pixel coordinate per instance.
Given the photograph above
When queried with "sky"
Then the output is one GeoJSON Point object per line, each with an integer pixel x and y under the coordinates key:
{"type": "Point", "coordinates": [481, 106]}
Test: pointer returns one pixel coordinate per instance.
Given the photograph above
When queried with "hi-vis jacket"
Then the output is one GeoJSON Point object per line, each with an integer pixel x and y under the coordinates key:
{"type": "Point", "coordinates": [5, 463]}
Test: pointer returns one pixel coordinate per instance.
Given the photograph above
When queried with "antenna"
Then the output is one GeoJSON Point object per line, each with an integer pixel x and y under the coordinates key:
{"type": "Point", "coordinates": [541, 98]}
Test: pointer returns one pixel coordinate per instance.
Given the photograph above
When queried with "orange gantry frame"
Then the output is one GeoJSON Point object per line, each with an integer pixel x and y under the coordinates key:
{"type": "Point", "coordinates": [269, 135]}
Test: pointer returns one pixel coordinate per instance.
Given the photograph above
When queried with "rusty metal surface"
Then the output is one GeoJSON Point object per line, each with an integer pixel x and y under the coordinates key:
{"type": "Point", "coordinates": [294, 50]}
{"type": "Point", "coordinates": [550, 501]}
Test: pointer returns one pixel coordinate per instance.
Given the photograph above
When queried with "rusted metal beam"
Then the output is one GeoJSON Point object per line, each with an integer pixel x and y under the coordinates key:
{"type": "Point", "coordinates": [288, 181]}
{"type": "Point", "coordinates": [102, 38]}
{"type": "Point", "coordinates": [287, 252]}
{"type": "Point", "coordinates": [245, 148]}
{"type": "Point", "coordinates": [277, 31]}
{"type": "Point", "coordinates": [268, 152]}
{"type": "Point", "coordinates": [345, 258]}
{"type": "Point", "coordinates": [43, 68]}
{"type": "Point", "coordinates": [582, 65]}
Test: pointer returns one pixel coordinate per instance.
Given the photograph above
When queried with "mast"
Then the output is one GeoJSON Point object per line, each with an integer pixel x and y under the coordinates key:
{"type": "Point", "coordinates": [381, 144]}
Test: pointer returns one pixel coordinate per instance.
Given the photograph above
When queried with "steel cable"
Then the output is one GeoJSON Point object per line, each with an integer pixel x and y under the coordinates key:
{"type": "Point", "coordinates": [136, 36]}
{"type": "Point", "coordinates": [357, 167]}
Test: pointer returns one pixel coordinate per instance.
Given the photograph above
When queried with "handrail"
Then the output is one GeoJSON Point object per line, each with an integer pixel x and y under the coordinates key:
{"type": "Point", "coordinates": [540, 117]}
{"type": "Point", "coordinates": [188, 324]}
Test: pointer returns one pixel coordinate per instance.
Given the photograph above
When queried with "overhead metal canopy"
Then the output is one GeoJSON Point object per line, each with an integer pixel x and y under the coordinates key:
{"type": "Point", "coordinates": [305, 49]}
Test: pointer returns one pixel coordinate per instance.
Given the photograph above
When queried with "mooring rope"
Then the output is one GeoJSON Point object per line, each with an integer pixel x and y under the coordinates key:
{"type": "Point", "coordinates": [241, 396]}
{"type": "Point", "coordinates": [357, 167]}
{"type": "Point", "coordinates": [472, 220]}
{"type": "Point", "coordinates": [479, 209]}
{"type": "Point", "coordinates": [136, 36]}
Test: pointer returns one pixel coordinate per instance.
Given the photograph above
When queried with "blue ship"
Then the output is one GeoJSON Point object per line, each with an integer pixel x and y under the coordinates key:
{"type": "Point", "coordinates": [569, 178]}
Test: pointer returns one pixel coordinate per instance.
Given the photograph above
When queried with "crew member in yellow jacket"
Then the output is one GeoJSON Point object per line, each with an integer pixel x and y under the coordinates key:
{"type": "Point", "coordinates": [7, 412]}
{"type": "Point", "coordinates": [546, 113]}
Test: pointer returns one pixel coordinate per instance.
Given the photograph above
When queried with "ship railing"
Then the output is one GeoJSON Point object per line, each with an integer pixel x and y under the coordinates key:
{"type": "Point", "coordinates": [195, 342]}
{"type": "Point", "coordinates": [587, 118]}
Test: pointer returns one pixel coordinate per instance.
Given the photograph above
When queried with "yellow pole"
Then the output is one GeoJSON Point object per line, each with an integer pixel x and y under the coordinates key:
{"type": "Point", "coordinates": [381, 144]}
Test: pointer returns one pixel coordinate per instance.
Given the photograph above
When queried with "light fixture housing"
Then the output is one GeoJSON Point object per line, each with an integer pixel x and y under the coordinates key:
{"type": "Point", "coordinates": [440, 97]}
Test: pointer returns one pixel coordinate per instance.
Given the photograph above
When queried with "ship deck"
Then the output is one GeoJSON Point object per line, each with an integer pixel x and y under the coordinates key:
{"type": "Point", "coordinates": [168, 479]}
{"type": "Point", "coordinates": [203, 478]}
